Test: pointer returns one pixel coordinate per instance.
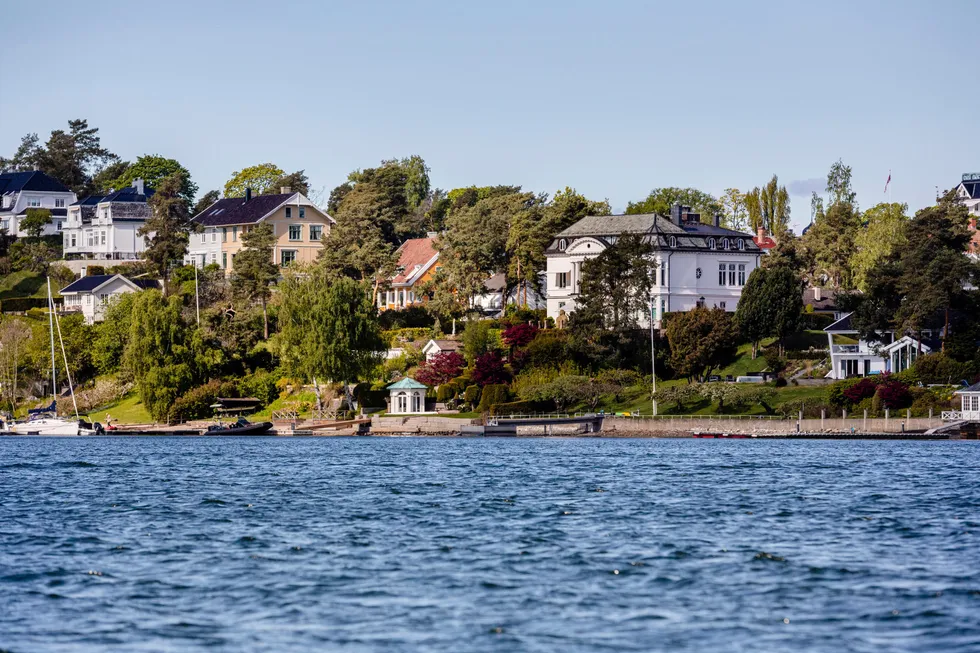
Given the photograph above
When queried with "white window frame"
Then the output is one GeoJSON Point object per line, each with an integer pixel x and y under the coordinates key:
{"type": "Point", "coordinates": [59, 202]}
{"type": "Point", "coordinates": [302, 212]}
{"type": "Point", "coordinates": [299, 232]}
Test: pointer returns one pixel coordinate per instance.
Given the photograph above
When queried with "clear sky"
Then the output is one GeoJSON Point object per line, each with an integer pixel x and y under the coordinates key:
{"type": "Point", "coordinates": [613, 98]}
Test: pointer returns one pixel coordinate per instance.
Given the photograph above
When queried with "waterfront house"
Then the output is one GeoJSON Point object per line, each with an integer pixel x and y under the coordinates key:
{"type": "Point", "coordinates": [20, 191]}
{"type": "Point", "coordinates": [298, 224]}
{"type": "Point", "coordinates": [970, 402]}
{"type": "Point", "coordinates": [435, 347]}
{"type": "Point", "coordinates": [418, 260]}
{"type": "Point", "coordinates": [851, 355]}
{"type": "Point", "coordinates": [696, 264]}
{"type": "Point", "coordinates": [106, 227]}
{"type": "Point", "coordinates": [91, 295]}
{"type": "Point", "coordinates": [406, 397]}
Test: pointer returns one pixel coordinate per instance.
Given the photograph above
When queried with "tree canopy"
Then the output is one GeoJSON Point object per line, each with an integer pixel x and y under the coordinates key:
{"type": "Point", "coordinates": [167, 227]}
{"type": "Point", "coordinates": [253, 270]}
{"type": "Point", "coordinates": [660, 200]}
{"type": "Point", "coordinates": [152, 169]}
{"type": "Point", "coordinates": [261, 178]}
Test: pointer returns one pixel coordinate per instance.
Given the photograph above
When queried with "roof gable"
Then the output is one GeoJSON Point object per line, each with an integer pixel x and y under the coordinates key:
{"type": "Point", "coordinates": [235, 210]}
{"type": "Point", "coordinates": [14, 182]}
{"type": "Point", "coordinates": [415, 257]}
{"type": "Point", "coordinates": [96, 281]}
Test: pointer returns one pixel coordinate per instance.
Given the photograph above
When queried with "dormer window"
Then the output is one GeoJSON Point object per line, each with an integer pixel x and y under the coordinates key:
{"type": "Point", "coordinates": [740, 243]}
{"type": "Point", "coordinates": [562, 245]}
{"type": "Point", "coordinates": [726, 244]}
{"type": "Point", "coordinates": [672, 241]}
{"type": "Point", "coordinates": [711, 243]}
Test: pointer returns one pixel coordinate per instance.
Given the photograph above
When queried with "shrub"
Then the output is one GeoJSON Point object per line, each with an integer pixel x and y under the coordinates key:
{"type": "Point", "coordinates": [196, 402]}
{"type": "Point", "coordinates": [489, 370]}
{"type": "Point", "coordinates": [23, 304]}
{"type": "Point", "coordinates": [446, 392]}
{"type": "Point", "coordinates": [781, 382]}
{"type": "Point", "coordinates": [894, 394]}
{"type": "Point", "coordinates": [519, 335]}
{"type": "Point", "coordinates": [836, 396]}
{"type": "Point", "coordinates": [260, 384]}
{"type": "Point", "coordinates": [548, 349]}
{"type": "Point", "coordinates": [940, 368]}
{"type": "Point", "coordinates": [514, 408]}
{"type": "Point", "coordinates": [443, 367]}
{"type": "Point", "coordinates": [816, 321]}
{"type": "Point", "coordinates": [94, 270]}
{"type": "Point", "coordinates": [472, 395]}
{"type": "Point", "coordinates": [863, 389]}
{"type": "Point", "coordinates": [492, 394]}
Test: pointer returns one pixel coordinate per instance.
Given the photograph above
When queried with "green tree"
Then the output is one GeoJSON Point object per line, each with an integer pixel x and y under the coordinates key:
{"type": "Point", "coordinates": [839, 185]}
{"type": "Point", "coordinates": [14, 339]}
{"type": "Point", "coordinates": [615, 286]}
{"type": "Point", "coordinates": [771, 305]}
{"type": "Point", "coordinates": [479, 338]}
{"type": "Point", "coordinates": [700, 340]}
{"type": "Point", "coordinates": [753, 209]}
{"type": "Point", "coordinates": [261, 178]}
{"type": "Point", "coordinates": [774, 203]}
{"type": "Point", "coordinates": [167, 228]}
{"type": "Point", "coordinates": [112, 334]}
{"type": "Point", "coordinates": [73, 157]}
{"type": "Point", "coordinates": [27, 157]}
{"type": "Point", "coordinates": [660, 200]}
{"type": "Point", "coordinates": [35, 221]}
{"type": "Point", "coordinates": [254, 272]}
{"type": "Point", "coordinates": [734, 209]}
{"type": "Point", "coordinates": [830, 241]}
{"type": "Point", "coordinates": [883, 233]}
{"type": "Point", "coordinates": [328, 328]}
{"type": "Point", "coordinates": [206, 200]}
{"type": "Point", "coordinates": [152, 169]}
{"type": "Point", "coordinates": [296, 182]}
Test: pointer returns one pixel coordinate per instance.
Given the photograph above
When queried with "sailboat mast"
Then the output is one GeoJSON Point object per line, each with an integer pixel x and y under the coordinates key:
{"type": "Point", "coordinates": [54, 373]}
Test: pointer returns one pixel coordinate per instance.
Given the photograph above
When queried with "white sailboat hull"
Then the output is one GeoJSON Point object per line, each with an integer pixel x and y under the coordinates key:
{"type": "Point", "coordinates": [46, 426]}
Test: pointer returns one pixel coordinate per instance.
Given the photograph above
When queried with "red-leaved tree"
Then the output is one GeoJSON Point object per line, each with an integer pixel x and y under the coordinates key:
{"type": "Point", "coordinates": [520, 335]}
{"type": "Point", "coordinates": [489, 368]}
{"type": "Point", "coordinates": [444, 367]}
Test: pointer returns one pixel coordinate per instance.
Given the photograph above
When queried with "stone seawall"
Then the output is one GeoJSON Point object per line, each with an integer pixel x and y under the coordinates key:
{"type": "Point", "coordinates": [390, 425]}
{"type": "Point", "coordinates": [685, 426]}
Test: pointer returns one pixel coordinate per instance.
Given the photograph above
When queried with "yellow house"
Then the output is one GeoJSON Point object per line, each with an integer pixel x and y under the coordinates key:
{"type": "Point", "coordinates": [299, 226]}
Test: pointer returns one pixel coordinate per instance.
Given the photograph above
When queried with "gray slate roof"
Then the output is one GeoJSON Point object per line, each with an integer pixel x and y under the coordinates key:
{"type": "Point", "coordinates": [689, 235]}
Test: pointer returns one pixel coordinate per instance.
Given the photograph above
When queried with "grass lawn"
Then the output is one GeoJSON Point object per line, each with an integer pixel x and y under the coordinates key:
{"type": "Point", "coordinates": [128, 410]}
{"type": "Point", "coordinates": [23, 284]}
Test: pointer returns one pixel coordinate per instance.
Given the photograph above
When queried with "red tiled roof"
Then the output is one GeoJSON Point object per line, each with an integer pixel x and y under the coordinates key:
{"type": "Point", "coordinates": [765, 242]}
{"type": "Point", "coordinates": [413, 255]}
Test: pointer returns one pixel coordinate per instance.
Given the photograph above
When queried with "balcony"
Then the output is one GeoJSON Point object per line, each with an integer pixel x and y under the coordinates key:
{"type": "Point", "coordinates": [846, 349]}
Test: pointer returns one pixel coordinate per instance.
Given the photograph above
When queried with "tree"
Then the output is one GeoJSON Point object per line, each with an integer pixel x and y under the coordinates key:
{"type": "Point", "coordinates": [296, 182]}
{"type": "Point", "coordinates": [774, 203]}
{"type": "Point", "coordinates": [831, 242]}
{"type": "Point", "coordinates": [700, 340]}
{"type": "Point", "coordinates": [27, 157]}
{"type": "Point", "coordinates": [489, 369]}
{"type": "Point", "coordinates": [771, 305]}
{"type": "Point", "coordinates": [167, 227]}
{"type": "Point", "coordinates": [206, 200]}
{"type": "Point", "coordinates": [616, 284]}
{"type": "Point", "coordinates": [883, 233]}
{"type": "Point", "coordinates": [839, 185]}
{"type": "Point", "coordinates": [260, 178]}
{"type": "Point", "coordinates": [520, 335]}
{"type": "Point", "coordinates": [328, 327]}
{"type": "Point", "coordinates": [254, 270]}
{"type": "Point", "coordinates": [71, 157]}
{"type": "Point", "coordinates": [157, 355]}
{"type": "Point", "coordinates": [442, 368]}
{"type": "Point", "coordinates": [35, 221]}
{"type": "Point", "coordinates": [734, 209]}
{"type": "Point", "coordinates": [478, 339]}
{"type": "Point", "coordinates": [753, 209]}
{"type": "Point", "coordinates": [14, 337]}
{"type": "Point", "coordinates": [112, 333]}
{"type": "Point", "coordinates": [152, 169]}
{"type": "Point", "coordinates": [35, 256]}
{"type": "Point", "coordinates": [660, 200]}
{"type": "Point", "coordinates": [564, 391]}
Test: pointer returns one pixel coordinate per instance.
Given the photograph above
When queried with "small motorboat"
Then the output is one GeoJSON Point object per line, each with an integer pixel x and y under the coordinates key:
{"type": "Point", "coordinates": [241, 427]}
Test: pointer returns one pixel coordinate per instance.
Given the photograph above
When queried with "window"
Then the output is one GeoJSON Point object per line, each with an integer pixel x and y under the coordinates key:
{"type": "Point", "coordinates": [562, 245]}
{"type": "Point", "coordinates": [33, 202]}
{"type": "Point", "coordinates": [731, 274]}
{"type": "Point", "coordinates": [287, 256]}
{"type": "Point", "coordinates": [672, 242]}
{"type": "Point", "coordinates": [663, 272]}
{"type": "Point", "coordinates": [726, 244]}
{"type": "Point", "coordinates": [234, 234]}
{"type": "Point", "coordinates": [722, 306]}
{"type": "Point", "coordinates": [316, 232]}
{"type": "Point", "coordinates": [561, 280]}
{"type": "Point", "coordinates": [711, 243]}
{"type": "Point", "coordinates": [59, 203]}
{"type": "Point", "coordinates": [102, 238]}
{"type": "Point", "coordinates": [224, 260]}
{"type": "Point", "coordinates": [58, 225]}
{"type": "Point", "coordinates": [224, 234]}
{"type": "Point", "coordinates": [214, 257]}
{"type": "Point", "coordinates": [302, 212]}
{"type": "Point", "coordinates": [89, 236]}
{"type": "Point", "coordinates": [204, 238]}
{"type": "Point", "coordinates": [214, 236]}
{"type": "Point", "coordinates": [721, 274]}
{"type": "Point", "coordinates": [73, 240]}
{"type": "Point", "coordinates": [740, 243]}
{"type": "Point", "coordinates": [289, 212]}
{"type": "Point", "coordinates": [741, 274]}
{"type": "Point", "coordinates": [295, 232]}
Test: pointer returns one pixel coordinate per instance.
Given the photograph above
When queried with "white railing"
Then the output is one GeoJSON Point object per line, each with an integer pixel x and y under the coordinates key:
{"type": "Point", "coordinates": [285, 416]}
{"type": "Point", "coordinates": [952, 415]}
{"type": "Point", "coordinates": [847, 349]}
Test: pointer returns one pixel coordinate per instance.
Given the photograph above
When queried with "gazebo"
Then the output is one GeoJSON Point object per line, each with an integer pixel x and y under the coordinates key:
{"type": "Point", "coordinates": [970, 402]}
{"type": "Point", "coordinates": [406, 397]}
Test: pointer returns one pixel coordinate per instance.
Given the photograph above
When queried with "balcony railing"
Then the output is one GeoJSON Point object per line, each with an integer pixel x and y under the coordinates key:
{"type": "Point", "coordinates": [846, 349]}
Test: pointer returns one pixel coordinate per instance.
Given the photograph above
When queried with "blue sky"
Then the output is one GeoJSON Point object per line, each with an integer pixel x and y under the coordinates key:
{"type": "Point", "coordinates": [612, 98]}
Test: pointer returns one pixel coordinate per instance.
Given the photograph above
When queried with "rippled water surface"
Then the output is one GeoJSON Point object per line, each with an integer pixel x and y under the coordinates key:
{"type": "Point", "coordinates": [409, 544]}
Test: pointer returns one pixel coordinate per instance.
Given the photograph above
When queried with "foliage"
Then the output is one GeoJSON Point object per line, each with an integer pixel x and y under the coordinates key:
{"type": "Point", "coordinates": [253, 271]}
{"type": "Point", "coordinates": [206, 200]}
{"type": "Point", "coordinates": [894, 394]}
{"type": "Point", "coordinates": [884, 232]}
{"type": "Point", "coordinates": [770, 305]}
{"type": "Point", "coordinates": [479, 337]}
{"type": "Point", "coordinates": [700, 340]}
{"type": "Point", "coordinates": [112, 333]}
{"type": "Point", "coordinates": [940, 368]}
{"type": "Point", "coordinates": [261, 178]}
{"type": "Point", "coordinates": [660, 200]}
{"type": "Point", "coordinates": [548, 349]}
{"type": "Point", "coordinates": [260, 384]}
{"type": "Point", "coordinates": [863, 389]}
{"type": "Point", "coordinates": [327, 331]}
{"type": "Point", "coordinates": [489, 369]}
{"type": "Point", "coordinates": [493, 394]}
{"type": "Point", "coordinates": [472, 395]}
{"type": "Point", "coordinates": [836, 393]}
{"type": "Point", "coordinates": [196, 403]}
{"type": "Point", "coordinates": [153, 169]}
{"type": "Point", "coordinates": [734, 209]}
{"type": "Point", "coordinates": [563, 391]}
{"type": "Point", "coordinates": [34, 256]}
{"type": "Point", "coordinates": [443, 367]}
{"type": "Point", "coordinates": [615, 287]}
{"type": "Point", "coordinates": [14, 338]}
{"type": "Point", "coordinates": [514, 408]}
{"type": "Point", "coordinates": [35, 221]}
{"type": "Point", "coordinates": [679, 395]}
{"type": "Point", "coordinates": [296, 182]}
{"type": "Point", "coordinates": [519, 335]}
{"type": "Point", "coordinates": [166, 230]}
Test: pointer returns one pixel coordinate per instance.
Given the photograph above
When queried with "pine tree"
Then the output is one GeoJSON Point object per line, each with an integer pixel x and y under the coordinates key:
{"type": "Point", "coordinates": [167, 228]}
{"type": "Point", "coordinates": [253, 270]}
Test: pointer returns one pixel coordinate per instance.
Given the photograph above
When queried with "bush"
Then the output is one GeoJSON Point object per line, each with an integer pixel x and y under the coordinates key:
{"type": "Point", "coordinates": [445, 393]}
{"type": "Point", "coordinates": [816, 321]}
{"type": "Point", "coordinates": [836, 396]}
{"type": "Point", "coordinates": [407, 318]}
{"type": "Point", "coordinates": [94, 270]}
{"type": "Point", "coordinates": [548, 349]}
{"type": "Point", "coordinates": [781, 382]}
{"type": "Point", "coordinates": [940, 368]}
{"type": "Point", "coordinates": [23, 304]}
{"type": "Point", "coordinates": [260, 384]}
{"type": "Point", "coordinates": [495, 393]}
{"type": "Point", "coordinates": [367, 398]}
{"type": "Point", "coordinates": [515, 408]}
{"type": "Point", "coordinates": [806, 354]}
{"type": "Point", "coordinates": [894, 394]}
{"type": "Point", "coordinates": [396, 336]}
{"type": "Point", "coordinates": [443, 367]}
{"type": "Point", "coordinates": [923, 399]}
{"type": "Point", "coordinates": [196, 402]}
{"type": "Point", "coordinates": [519, 335]}
{"type": "Point", "coordinates": [472, 395]}
{"type": "Point", "coordinates": [489, 369]}
{"type": "Point", "coordinates": [863, 389]}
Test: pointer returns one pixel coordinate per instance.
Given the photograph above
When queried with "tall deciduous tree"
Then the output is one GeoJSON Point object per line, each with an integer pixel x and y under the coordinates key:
{"type": "Point", "coordinates": [296, 182]}
{"type": "Point", "coordinates": [615, 286]}
{"type": "Point", "coordinates": [253, 270]}
{"type": "Point", "coordinates": [167, 228]}
{"type": "Point", "coordinates": [771, 305]}
{"type": "Point", "coordinates": [152, 168]}
{"type": "Point", "coordinates": [35, 221]}
{"type": "Point", "coordinates": [660, 200]}
{"type": "Point", "coordinates": [734, 209]}
{"type": "Point", "coordinates": [753, 209]}
{"type": "Point", "coordinates": [700, 340]}
{"type": "Point", "coordinates": [774, 202]}
{"type": "Point", "coordinates": [260, 178]}
{"type": "Point", "coordinates": [883, 232]}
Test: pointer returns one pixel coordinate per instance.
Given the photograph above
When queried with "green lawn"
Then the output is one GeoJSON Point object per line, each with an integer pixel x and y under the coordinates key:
{"type": "Point", "coordinates": [23, 284]}
{"type": "Point", "coordinates": [128, 410]}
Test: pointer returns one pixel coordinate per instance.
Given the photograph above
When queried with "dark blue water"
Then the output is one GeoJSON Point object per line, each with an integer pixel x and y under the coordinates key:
{"type": "Point", "coordinates": [408, 544]}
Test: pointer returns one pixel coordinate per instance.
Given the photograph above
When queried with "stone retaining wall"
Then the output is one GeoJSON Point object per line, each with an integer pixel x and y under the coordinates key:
{"type": "Point", "coordinates": [418, 424]}
{"type": "Point", "coordinates": [686, 425]}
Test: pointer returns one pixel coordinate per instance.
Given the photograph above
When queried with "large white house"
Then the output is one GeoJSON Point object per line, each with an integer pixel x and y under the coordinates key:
{"type": "Point", "coordinates": [91, 295]}
{"type": "Point", "coordinates": [105, 227]}
{"type": "Point", "coordinates": [20, 191]}
{"type": "Point", "coordinates": [859, 357]}
{"type": "Point", "coordinates": [696, 264]}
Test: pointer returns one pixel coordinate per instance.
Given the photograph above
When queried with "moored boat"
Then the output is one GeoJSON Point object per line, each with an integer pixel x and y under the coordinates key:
{"type": "Point", "coordinates": [241, 427]}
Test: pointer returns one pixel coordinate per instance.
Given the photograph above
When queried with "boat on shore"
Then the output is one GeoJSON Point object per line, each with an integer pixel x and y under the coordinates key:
{"type": "Point", "coordinates": [241, 427]}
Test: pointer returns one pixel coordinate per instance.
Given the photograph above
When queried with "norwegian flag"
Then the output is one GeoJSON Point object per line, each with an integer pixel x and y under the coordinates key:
{"type": "Point", "coordinates": [888, 181]}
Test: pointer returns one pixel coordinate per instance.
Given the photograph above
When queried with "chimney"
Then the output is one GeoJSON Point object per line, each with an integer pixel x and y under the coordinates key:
{"type": "Point", "coordinates": [675, 214]}
{"type": "Point", "coordinates": [717, 219]}
{"type": "Point", "coordinates": [138, 185]}
{"type": "Point", "coordinates": [760, 233]}
{"type": "Point", "coordinates": [248, 193]}
{"type": "Point", "coordinates": [285, 190]}
{"type": "Point", "coordinates": [817, 294]}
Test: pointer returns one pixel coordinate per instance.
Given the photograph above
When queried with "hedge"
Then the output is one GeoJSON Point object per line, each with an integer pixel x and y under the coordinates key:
{"type": "Point", "coordinates": [816, 321]}
{"type": "Point", "coordinates": [493, 394]}
{"type": "Point", "coordinates": [372, 398]}
{"type": "Point", "coordinates": [806, 354]}
{"type": "Point", "coordinates": [513, 408]}
{"type": "Point", "coordinates": [472, 395]}
{"type": "Point", "coordinates": [22, 304]}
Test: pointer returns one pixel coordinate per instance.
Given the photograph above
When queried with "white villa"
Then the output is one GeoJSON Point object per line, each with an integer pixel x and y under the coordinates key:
{"type": "Point", "coordinates": [865, 357]}
{"type": "Point", "coordinates": [406, 397]}
{"type": "Point", "coordinates": [104, 227]}
{"type": "Point", "coordinates": [20, 191]}
{"type": "Point", "coordinates": [696, 264]}
{"type": "Point", "coordinates": [91, 295]}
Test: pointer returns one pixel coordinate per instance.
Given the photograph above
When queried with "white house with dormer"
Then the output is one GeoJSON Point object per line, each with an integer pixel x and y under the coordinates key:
{"type": "Point", "coordinates": [22, 191]}
{"type": "Point", "coordinates": [695, 264]}
{"type": "Point", "coordinates": [91, 295]}
{"type": "Point", "coordinates": [106, 227]}
{"type": "Point", "coordinates": [851, 355]}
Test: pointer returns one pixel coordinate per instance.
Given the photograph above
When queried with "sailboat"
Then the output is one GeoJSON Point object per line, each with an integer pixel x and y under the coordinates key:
{"type": "Point", "coordinates": [45, 421]}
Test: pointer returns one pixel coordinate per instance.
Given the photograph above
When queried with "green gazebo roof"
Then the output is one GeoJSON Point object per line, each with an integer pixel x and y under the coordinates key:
{"type": "Point", "coordinates": [408, 384]}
